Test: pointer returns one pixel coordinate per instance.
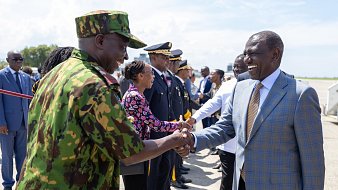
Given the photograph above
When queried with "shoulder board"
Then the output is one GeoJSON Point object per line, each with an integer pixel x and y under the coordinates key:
{"type": "Point", "coordinates": [108, 77]}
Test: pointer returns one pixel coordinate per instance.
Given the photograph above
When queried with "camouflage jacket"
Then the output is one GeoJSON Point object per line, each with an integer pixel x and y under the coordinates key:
{"type": "Point", "coordinates": [78, 130]}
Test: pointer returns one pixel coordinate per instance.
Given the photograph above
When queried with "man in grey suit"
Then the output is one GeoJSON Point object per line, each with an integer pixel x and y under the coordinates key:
{"type": "Point", "coordinates": [277, 122]}
{"type": "Point", "coordinates": [13, 117]}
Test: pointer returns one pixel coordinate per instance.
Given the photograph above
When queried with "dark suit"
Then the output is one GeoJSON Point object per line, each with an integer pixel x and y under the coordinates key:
{"type": "Point", "coordinates": [159, 103]}
{"type": "Point", "coordinates": [176, 100]}
{"type": "Point", "coordinates": [124, 85]}
{"type": "Point", "coordinates": [14, 115]}
{"type": "Point", "coordinates": [206, 122]}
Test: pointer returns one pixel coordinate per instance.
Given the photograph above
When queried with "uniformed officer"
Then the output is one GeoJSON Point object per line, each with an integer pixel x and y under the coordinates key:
{"type": "Point", "coordinates": [177, 108]}
{"type": "Point", "coordinates": [78, 130]}
{"type": "Point", "coordinates": [158, 97]}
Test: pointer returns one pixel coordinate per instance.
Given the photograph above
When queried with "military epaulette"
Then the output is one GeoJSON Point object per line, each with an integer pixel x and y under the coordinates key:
{"type": "Point", "coordinates": [108, 77]}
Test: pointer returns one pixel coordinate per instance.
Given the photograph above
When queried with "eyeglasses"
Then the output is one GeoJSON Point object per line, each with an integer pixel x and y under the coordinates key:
{"type": "Point", "coordinates": [17, 59]}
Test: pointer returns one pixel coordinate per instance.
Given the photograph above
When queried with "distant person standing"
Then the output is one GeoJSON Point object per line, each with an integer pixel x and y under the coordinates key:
{"type": "Point", "coordinates": [193, 87]}
{"type": "Point", "coordinates": [205, 87]}
{"type": "Point", "coordinates": [13, 117]}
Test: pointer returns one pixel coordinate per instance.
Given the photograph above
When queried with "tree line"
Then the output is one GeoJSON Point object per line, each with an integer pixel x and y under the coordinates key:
{"type": "Point", "coordinates": [33, 56]}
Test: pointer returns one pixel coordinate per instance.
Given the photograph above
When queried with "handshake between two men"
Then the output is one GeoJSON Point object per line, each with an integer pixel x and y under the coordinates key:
{"type": "Point", "coordinates": [186, 138]}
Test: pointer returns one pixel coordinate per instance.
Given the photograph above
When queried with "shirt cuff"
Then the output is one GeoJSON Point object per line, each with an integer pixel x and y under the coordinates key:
{"type": "Point", "coordinates": [195, 143]}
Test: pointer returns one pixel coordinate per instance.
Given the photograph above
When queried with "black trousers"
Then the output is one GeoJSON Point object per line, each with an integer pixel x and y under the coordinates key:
{"type": "Point", "coordinates": [206, 122]}
{"type": "Point", "coordinates": [135, 182]}
{"type": "Point", "coordinates": [178, 164]}
{"type": "Point", "coordinates": [227, 164]}
{"type": "Point", "coordinates": [160, 170]}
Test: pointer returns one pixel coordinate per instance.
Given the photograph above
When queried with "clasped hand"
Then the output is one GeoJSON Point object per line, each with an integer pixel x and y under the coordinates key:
{"type": "Point", "coordinates": [187, 139]}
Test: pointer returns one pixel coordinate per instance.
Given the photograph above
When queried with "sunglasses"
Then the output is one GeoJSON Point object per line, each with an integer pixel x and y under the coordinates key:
{"type": "Point", "coordinates": [17, 59]}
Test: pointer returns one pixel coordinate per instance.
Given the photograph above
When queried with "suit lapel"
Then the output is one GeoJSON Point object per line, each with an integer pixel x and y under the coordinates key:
{"type": "Point", "coordinates": [277, 92]}
{"type": "Point", "coordinates": [11, 79]}
{"type": "Point", "coordinates": [24, 84]}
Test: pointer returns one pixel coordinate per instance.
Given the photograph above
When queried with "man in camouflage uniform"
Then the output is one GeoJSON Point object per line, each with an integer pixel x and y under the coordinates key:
{"type": "Point", "coordinates": [78, 131]}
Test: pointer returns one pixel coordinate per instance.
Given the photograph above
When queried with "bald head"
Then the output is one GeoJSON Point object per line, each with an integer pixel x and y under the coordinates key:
{"type": "Point", "coordinates": [271, 39]}
{"type": "Point", "coordinates": [205, 71]}
{"type": "Point", "coordinates": [14, 59]}
{"type": "Point", "coordinates": [239, 65]}
{"type": "Point", "coordinates": [263, 54]}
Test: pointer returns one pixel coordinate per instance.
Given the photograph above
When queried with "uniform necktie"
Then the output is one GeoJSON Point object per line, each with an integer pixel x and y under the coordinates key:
{"type": "Point", "coordinates": [253, 109]}
{"type": "Point", "coordinates": [18, 81]}
{"type": "Point", "coordinates": [164, 80]}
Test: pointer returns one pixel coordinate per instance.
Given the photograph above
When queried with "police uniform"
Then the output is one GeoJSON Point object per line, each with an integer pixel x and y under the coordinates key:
{"type": "Point", "coordinates": [159, 103]}
{"type": "Point", "coordinates": [78, 130]}
{"type": "Point", "coordinates": [185, 99]}
{"type": "Point", "coordinates": [177, 104]}
{"type": "Point", "coordinates": [177, 110]}
{"type": "Point", "coordinates": [185, 95]}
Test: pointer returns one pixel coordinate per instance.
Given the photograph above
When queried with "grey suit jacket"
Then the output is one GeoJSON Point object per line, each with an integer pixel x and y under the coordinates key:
{"type": "Point", "coordinates": [285, 149]}
{"type": "Point", "coordinates": [14, 110]}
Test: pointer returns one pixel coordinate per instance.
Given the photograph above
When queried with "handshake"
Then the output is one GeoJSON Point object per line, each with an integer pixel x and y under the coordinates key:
{"type": "Point", "coordinates": [184, 138]}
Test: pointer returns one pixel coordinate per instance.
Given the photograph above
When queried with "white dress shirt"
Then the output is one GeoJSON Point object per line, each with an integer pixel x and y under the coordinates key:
{"type": "Point", "coordinates": [217, 102]}
{"type": "Point", "coordinates": [267, 85]}
{"type": "Point", "coordinates": [157, 71]}
{"type": "Point", "coordinates": [204, 80]}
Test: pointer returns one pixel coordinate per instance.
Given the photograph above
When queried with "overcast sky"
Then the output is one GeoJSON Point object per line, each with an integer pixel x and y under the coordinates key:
{"type": "Point", "coordinates": [210, 32]}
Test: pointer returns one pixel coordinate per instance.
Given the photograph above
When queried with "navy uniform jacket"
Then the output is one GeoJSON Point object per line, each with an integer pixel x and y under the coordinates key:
{"type": "Point", "coordinates": [185, 99]}
{"type": "Point", "coordinates": [172, 85]}
{"type": "Point", "coordinates": [177, 102]}
{"type": "Point", "coordinates": [158, 99]}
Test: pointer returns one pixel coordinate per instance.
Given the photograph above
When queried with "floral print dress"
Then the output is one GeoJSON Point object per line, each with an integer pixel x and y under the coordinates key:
{"type": "Point", "coordinates": [137, 106]}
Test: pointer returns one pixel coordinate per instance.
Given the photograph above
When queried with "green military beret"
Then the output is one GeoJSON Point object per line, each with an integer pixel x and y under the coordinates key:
{"type": "Point", "coordinates": [106, 22]}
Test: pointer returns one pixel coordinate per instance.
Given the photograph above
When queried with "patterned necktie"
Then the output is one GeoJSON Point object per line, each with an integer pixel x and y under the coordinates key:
{"type": "Point", "coordinates": [18, 81]}
{"type": "Point", "coordinates": [253, 109]}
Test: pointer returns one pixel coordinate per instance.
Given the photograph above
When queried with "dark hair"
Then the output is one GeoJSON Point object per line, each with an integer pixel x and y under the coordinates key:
{"type": "Point", "coordinates": [133, 69]}
{"type": "Point", "coordinates": [27, 70]}
{"type": "Point", "coordinates": [56, 57]}
{"type": "Point", "coordinates": [220, 73]}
